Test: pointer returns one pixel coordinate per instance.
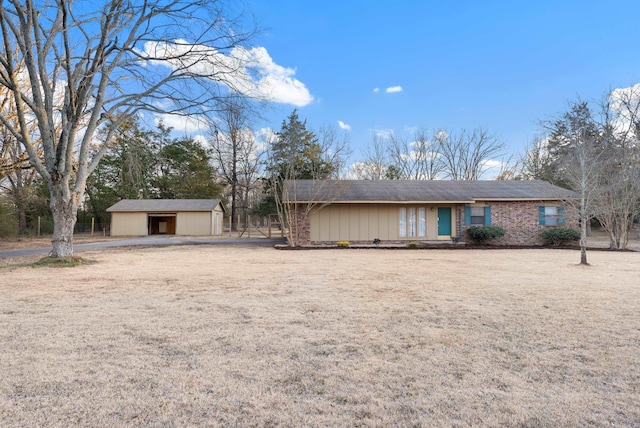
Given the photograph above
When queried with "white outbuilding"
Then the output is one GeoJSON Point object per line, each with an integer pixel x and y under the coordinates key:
{"type": "Point", "coordinates": [141, 217]}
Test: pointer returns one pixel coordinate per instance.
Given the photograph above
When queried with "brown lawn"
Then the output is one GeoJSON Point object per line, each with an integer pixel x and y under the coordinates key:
{"type": "Point", "coordinates": [225, 336]}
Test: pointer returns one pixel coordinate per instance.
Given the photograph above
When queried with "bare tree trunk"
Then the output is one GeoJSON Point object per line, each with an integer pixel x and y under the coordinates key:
{"type": "Point", "coordinates": [234, 188]}
{"type": "Point", "coordinates": [65, 72]}
{"type": "Point", "coordinates": [18, 197]}
{"type": "Point", "coordinates": [21, 210]}
{"type": "Point", "coordinates": [583, 241]}
{"type": "Point", "coordinates": [64, 219]}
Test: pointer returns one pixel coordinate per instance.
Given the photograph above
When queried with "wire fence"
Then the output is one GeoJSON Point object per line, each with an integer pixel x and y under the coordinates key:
{"type": "Point", "coordinates": [249, 227]}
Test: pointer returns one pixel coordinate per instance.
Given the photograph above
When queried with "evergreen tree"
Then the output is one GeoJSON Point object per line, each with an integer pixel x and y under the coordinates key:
{"type": "Point", "coordinates": [297, 154]}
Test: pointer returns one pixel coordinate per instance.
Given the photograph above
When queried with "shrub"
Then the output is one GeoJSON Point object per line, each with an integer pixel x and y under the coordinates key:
{"type": "Point", "coordinates": [559, 236]}
{"type": "Point", "coordinates": [412, 245]}
{"type": "Point", "coordinates": [342, 244]}
{"type": "Point", "coordinates": [481, 234]}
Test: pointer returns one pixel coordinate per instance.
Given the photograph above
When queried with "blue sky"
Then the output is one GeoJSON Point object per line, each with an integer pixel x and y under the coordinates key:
{"type": "Point", "coordinates": [501, 65]}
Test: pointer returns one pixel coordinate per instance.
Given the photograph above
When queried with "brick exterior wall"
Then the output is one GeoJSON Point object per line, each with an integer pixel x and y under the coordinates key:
{"type": "Point", "coordinates": [520, 221]}
{"type": "Point", "coordinates": [300, 225]}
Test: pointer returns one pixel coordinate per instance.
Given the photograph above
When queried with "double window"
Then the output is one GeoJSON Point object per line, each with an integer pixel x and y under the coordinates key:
{"type": "Point", "coordinates": [412, 222]}
{"type": "Point", "coordinates": [551, 215]}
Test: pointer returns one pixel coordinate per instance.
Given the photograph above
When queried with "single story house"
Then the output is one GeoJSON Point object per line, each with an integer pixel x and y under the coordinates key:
{"type": "Point", "coordinates": [141, 217]}
{"type": "Point", "coordinates": [397, 211]}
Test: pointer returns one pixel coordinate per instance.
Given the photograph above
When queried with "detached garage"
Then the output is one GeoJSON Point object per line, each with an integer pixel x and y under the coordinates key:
{"type": "Point", "coordinates": [141, 217]}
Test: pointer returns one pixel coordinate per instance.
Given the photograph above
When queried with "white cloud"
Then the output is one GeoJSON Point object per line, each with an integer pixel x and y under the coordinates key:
{"type": "Point", "coordinates": [201, 139]}
{"type": "Point", "coordinates": [393, 89]}
{"type": "Point", "coordinates": [491, 169]}
{"type": "Point", "coordinates": [376, 89]}
{"type": "Point", "coordinates": [343, 125]}
{"type": "Point", "coordinates": [187, 124]}
{"type": "Point", "coordinates": [275, 82]}
{"type": "Point", "coordinates": [251, 72]}
{"type": "Point", "coordinates": [625, 103]}
{"type": "Point", "coordinates": [264, 138]}
{"type": "Point", "coordinates": [383, 133]}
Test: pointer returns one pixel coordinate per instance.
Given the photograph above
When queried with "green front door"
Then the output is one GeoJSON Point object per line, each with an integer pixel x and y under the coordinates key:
{"type": "Point", "coordinates": [444, 221]}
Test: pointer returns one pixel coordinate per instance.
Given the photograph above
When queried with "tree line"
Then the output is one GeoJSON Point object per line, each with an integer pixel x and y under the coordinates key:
{"type": "Point", "coordinates": [594, 149]}
{"type": "Point", "coordinates": [74, 85]}
{"type": "Point", "coordinates": [591, 151]}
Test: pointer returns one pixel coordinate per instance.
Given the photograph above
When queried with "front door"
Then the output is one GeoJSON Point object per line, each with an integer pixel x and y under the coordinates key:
{"type": "Point", "coordinates": [444, 221]}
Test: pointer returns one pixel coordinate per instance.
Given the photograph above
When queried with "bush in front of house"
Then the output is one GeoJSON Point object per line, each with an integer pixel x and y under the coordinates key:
{"type": "Point", "coordinates": [412, 245]}
{"type": "Point", "coordinates": [342, 244]}
{"type": "Point", "coordinates": [482, 234]}
{"type": "Point", "coordinates": [560, 236]}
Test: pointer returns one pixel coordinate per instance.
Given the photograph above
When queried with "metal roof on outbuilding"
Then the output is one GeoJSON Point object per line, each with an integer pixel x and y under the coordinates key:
{"type": "Point", "coordinates": [165, 205]}
{"type": "Point", "coordinates": [459, 191]}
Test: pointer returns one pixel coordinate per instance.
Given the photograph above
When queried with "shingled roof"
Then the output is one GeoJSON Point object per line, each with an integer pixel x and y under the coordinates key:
{"type": "Point", "coordinates": [164, 205]}
{"type": "Point", "coordinates": [420, 191]}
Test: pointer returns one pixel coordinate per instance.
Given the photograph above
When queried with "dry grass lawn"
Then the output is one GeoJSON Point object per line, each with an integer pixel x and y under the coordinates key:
{"type": "Point", "coordinates": [227, 336]}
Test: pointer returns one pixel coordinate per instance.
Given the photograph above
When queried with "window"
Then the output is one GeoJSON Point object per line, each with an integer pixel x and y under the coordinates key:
{"type": "Point", "coordinates": [402, 222]}
{"type": "Point", "coordinates": [477, 216]}
{"type": "Point", "coordinates": [422, 221]}
{"type": "Point", "coordinates": [412, 222]}
{"type": "Point", "coordinates": [551, 215]}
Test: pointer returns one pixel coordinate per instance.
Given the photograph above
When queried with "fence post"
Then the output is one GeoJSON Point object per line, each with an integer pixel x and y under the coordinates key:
{"type": "Point", "coordinates": [93, 223]}
{"type": "Point", "coordinates": [38, 226]}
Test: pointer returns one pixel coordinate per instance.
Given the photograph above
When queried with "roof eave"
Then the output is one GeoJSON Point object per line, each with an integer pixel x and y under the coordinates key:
{"type": "Point", "coordinates": [386, 201]}
{"type": "Point", "coordinates": [548, 198]}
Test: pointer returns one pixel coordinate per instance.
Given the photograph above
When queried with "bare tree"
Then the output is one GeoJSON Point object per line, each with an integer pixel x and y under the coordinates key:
{"type": "Point", "coordinates": [619, 195]}
{"type": "Point", "coordinates": [335, 148]}
{"type": "Point", "coordinates": [313, 160]}
{"type": "Point", "coordinates": [293, 210]}
{"type": "Point", "coordinates": [584, 171]}
{"type": "Point", "coordinates": [465, 154]}
{"type": "Point", "coordinates": [236, 154]}
{"type": "Point", "coordinates": [104, 61]}
{"type": "Point", "coordinates": [375, 161]}
{"type": "Point", "coordinates": [614, 130]}
{"type": "Point", "coordinates": [510, 169]}
{"type": "Point", "coordinates": [417, 157]}
{"type": "Point", "coordinates": [16, 173]}
{"type": "Point", "coordinates": [536, 161]}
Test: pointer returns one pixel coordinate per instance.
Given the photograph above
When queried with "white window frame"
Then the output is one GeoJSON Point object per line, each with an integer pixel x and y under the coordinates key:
{"type": "Point", "coordinates": [412, 222]}
{"type": "Point", "coordinates": [402, 222]}
{"type": "Point", "coordinates": [422, 222]}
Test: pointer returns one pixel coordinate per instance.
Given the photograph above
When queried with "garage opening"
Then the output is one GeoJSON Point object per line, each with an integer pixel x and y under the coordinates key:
{"type": "Point", "coordinates": [162, 224]}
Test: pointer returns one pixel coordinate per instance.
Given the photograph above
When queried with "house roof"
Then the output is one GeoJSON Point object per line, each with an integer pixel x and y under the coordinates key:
{"type": "Point", "coordinates": [403, 191]}
{"type": "Point", "coordinates": [164, 205]}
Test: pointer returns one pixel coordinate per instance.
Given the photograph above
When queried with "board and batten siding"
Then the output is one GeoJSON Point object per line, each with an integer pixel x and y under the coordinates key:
{"type": "Point", "coordinates": [366, 222]}
{"type": "Point", "coordinates": [194, 223]}
{"type": "Point", "coordinates": [129, 224]}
